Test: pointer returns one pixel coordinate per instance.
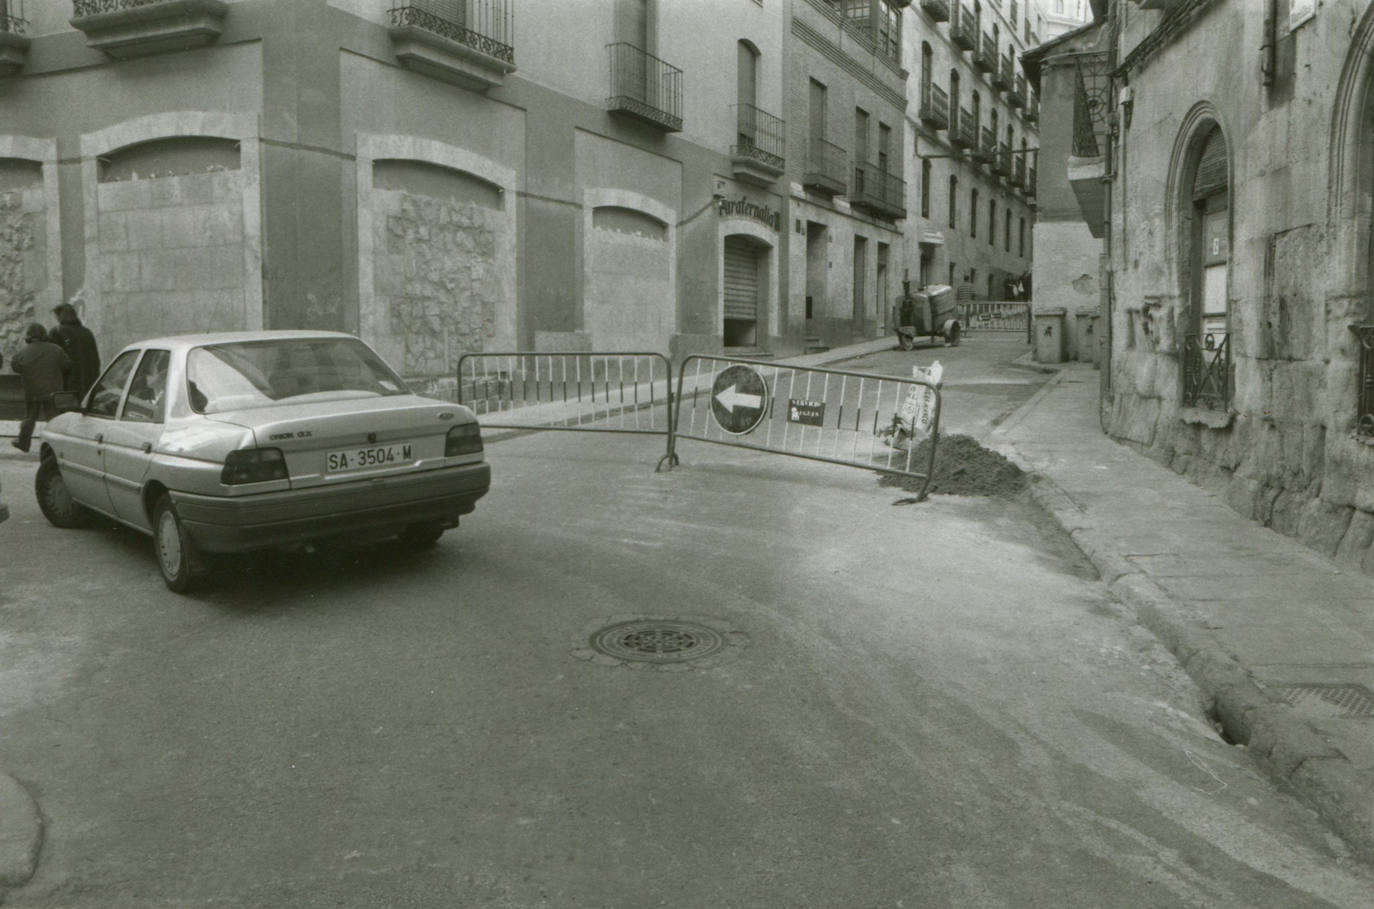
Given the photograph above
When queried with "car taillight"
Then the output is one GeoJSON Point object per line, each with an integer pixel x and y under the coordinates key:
{"type": "Point", "coordinates": [253, 465]}
{"type": "Point", "coordinates": [464, 439]}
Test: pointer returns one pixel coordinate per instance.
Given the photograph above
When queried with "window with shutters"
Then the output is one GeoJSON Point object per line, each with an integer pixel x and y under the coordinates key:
{"type": "Point", "coordinates": [742, 256]}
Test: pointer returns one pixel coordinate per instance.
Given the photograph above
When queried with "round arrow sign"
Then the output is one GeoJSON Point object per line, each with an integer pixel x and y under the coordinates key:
{"type": "Point", "coordinates": [739, 398]}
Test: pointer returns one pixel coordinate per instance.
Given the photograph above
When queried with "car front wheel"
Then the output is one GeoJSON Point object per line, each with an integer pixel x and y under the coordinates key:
{"type": "Point", "coordinates": [54, 500]}
{"type": "Point", "coordinates": [180, 560]}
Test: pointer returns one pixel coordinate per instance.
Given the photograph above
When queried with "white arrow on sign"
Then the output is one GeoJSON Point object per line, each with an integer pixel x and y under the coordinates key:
{"type": "Point", "coordinates": [730, 399]}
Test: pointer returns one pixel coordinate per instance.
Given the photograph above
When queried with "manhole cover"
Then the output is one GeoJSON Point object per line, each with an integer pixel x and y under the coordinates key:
{"type": "Point", "coordinates": [657, 641]}
{"type": "Point", "coordinates": [1321, 699]}
{"type": "Point", "coordinates": [645, 642]}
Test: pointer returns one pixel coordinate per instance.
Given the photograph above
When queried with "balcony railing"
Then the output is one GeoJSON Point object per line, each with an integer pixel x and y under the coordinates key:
{"type": "Point", "coordinates": [1207, 371]}
{"type": "Point", "coordinates": [1016, 94]}
{"type": "Point", "coordinates": [1030, 181]}
{"type": "Point", "coordinates": [966, 134]}
{"type": "Point", "coordinates": [14, 45]}
{"type": "Point", "coordinates": [469, 45]}
{"type": "Point", "coordinates": [1001, 78]}
{"type": "Point", "coordinates": [937, 10]}
{"type": "Point", "coordinates": [12, 21]}
{"type": "Point", "coordinates": [826, 167]}
{"type": "Point", "coordinates": [934, 107]}
{"type": "Point", "coordinates": [988, 148]}
{"type": "Point", "coordinates": [1004, 159]}
{"type": "Point", "coordinates": [645, 87]}
{"type": "Point", "coordinates": [985, 60]}
{"type": "Point", "coordinates": [1364, 423]}
{"type": "Point", "coordinates": [486, 26]}
{"type": "Point", "coordinates": [1018, 172]}
{"type": "Point", "coordinates": [136, 28]}
{"type": "Point", "coordinates": [757, 154]}
{"type": "Point", "coordinates": [962, 30]}
{"type": "Point", "coordinates": [878, 192]}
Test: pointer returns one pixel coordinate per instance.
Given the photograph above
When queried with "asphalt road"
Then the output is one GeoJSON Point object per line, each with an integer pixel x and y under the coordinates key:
{"type": "Point", "coordinates": [927, 705]}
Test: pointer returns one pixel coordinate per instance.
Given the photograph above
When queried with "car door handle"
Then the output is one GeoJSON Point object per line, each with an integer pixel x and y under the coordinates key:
{"type": "Point", "coordinates": [147, 447]}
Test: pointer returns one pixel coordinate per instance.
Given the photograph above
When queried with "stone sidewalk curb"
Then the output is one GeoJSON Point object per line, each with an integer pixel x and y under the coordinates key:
{"type": "Point", "coordinates": [1286, 746]}
{"type": "Point", "coordinates": [21, 834]}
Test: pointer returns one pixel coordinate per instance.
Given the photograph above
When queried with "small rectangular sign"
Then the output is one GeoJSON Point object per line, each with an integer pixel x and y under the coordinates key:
{"type": "Point", "coordinates": [807, 413]}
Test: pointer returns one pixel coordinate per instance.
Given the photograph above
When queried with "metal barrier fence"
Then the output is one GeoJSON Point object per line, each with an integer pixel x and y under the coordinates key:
{"type": "Point", "coordinates": [996, 315]}
{"type": "Point", "coordinates": [851, 418]}
{"type": "Point", "coordinates": [594, 392]}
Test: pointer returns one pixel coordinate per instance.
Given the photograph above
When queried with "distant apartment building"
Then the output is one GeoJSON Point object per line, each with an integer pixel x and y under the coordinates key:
{"type": "Point", "coordinates": [972, 124]}
{"type": "Point", "coordinates": [450, 176]}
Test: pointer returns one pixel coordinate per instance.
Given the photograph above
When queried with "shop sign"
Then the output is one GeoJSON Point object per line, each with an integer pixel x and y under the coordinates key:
{"type": "Point", "coordinates": [743, 208]}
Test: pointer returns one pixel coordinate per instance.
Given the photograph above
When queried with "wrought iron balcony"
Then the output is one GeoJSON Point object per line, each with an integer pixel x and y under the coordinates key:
{"type": "Point", "coordinates": [1364, 423]}
{"type": "Point", "coordinates": [878, 192]}
{"type": "Point", "coordinates": [826, 167]}
{"type": "Point", "coordinates": [963, 132]}
{"type": "Point", "coordinates": [937, 10]}
{"type": "Point", "coordinates": [1003, 165]}
{"type": "Point", "coordinates": [988, 148]}
{"type": "Point", "coordinates": [934, 107]}
{"type": "Point", "coordinates": [1016, 94]}
{"type": "Point", "coordinates": [645, 87]}
{"type": "Point", "coordinates": [1001, 77]}
{"type": "Point", "coordinates": [1030, 181]}
{"type": "Point", "coordinates": [1018, 171]}
{"type": "Point", "coordinates": [471, 46]}
{"type": "Point", "coordinates": [136, 28]}
{"type": "Point", "coordinates": [1207, 371]}
{"type": "Point", "coordinates": [757, 155]}
{"type": "Point", "coordinates": [985, 60]}
{"type": "Point", "coordinates": [14, 44]}
{"type": "Point", "coordinates": [962, 30]}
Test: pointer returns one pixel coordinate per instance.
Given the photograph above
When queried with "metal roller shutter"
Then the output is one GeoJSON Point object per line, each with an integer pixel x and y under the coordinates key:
{"type": "Point", "coordinates": [741, 279]}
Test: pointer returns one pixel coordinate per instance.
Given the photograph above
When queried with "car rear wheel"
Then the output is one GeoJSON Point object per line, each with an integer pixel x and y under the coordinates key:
{"type": "Point", "coordinates": [54, 500]}
{"type": "Point", "coordinates": [180, 560]}
{"type": "Point", "coordinates": [421, 535]}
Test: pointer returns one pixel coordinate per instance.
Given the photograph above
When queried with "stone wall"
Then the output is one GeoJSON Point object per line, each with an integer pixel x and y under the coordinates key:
{"type": "Point", "coordinates": [1285, 452]}
{"type": "Point", "coordinates": [23, 271]}
{"type": "Point", "coordinates": [170, 256]}
{"type": "Point", "coordinates": [437, 279]}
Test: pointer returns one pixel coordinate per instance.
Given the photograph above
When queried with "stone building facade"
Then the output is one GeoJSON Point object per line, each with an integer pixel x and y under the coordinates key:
{"type": "Point", "coordinates": [1239, 243]}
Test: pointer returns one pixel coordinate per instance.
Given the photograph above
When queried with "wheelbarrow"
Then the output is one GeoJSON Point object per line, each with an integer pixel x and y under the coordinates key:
{"type": "Point", "coordinates": [932, 313]}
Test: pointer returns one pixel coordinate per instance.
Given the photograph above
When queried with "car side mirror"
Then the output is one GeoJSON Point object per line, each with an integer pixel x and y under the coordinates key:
{"type": "Point", "coordinates": [65, 401]}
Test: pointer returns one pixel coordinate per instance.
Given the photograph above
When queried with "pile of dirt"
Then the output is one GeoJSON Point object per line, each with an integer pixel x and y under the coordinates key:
{"type": "Point", "coordinates": [964, 468]}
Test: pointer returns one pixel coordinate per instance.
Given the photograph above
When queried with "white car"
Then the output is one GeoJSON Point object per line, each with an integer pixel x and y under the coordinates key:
{"type": "Point", "coordinates": [232, 442]}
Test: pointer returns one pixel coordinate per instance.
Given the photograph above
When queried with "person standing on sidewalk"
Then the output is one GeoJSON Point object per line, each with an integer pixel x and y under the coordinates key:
{"type": "Point", "coordinates": [79, 343]}
{"type": "Point", "coordinates": [44, 368]}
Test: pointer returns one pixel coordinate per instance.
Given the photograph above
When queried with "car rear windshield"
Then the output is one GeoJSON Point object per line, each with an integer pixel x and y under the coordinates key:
{"type": "Point", "coordinates": [247, 374]}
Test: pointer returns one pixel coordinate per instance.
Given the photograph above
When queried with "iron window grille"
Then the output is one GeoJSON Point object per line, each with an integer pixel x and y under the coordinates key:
{"type": "Point", "coordinates": [1092, 106]}
{"type": "Point", "coordinates": [1364, 425]}
{"type": "Point", "coordinates": [486, 26]}
{"type": "Point", "coordinates": [1207, 371]}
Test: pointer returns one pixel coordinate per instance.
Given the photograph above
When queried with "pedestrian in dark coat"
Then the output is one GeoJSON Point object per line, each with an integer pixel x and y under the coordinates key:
{"type": "Point", "coordinates": [79, 343]}
{"type": "Point", "coordinates": [44, 367]}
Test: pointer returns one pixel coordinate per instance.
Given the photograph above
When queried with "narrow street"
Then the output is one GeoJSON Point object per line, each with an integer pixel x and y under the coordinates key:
{"type": "Point", "coordinates": [928, 705]}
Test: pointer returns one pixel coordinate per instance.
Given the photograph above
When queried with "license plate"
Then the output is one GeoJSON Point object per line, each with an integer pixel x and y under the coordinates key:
{"type": "Point", "coordinates": [368, 456]}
